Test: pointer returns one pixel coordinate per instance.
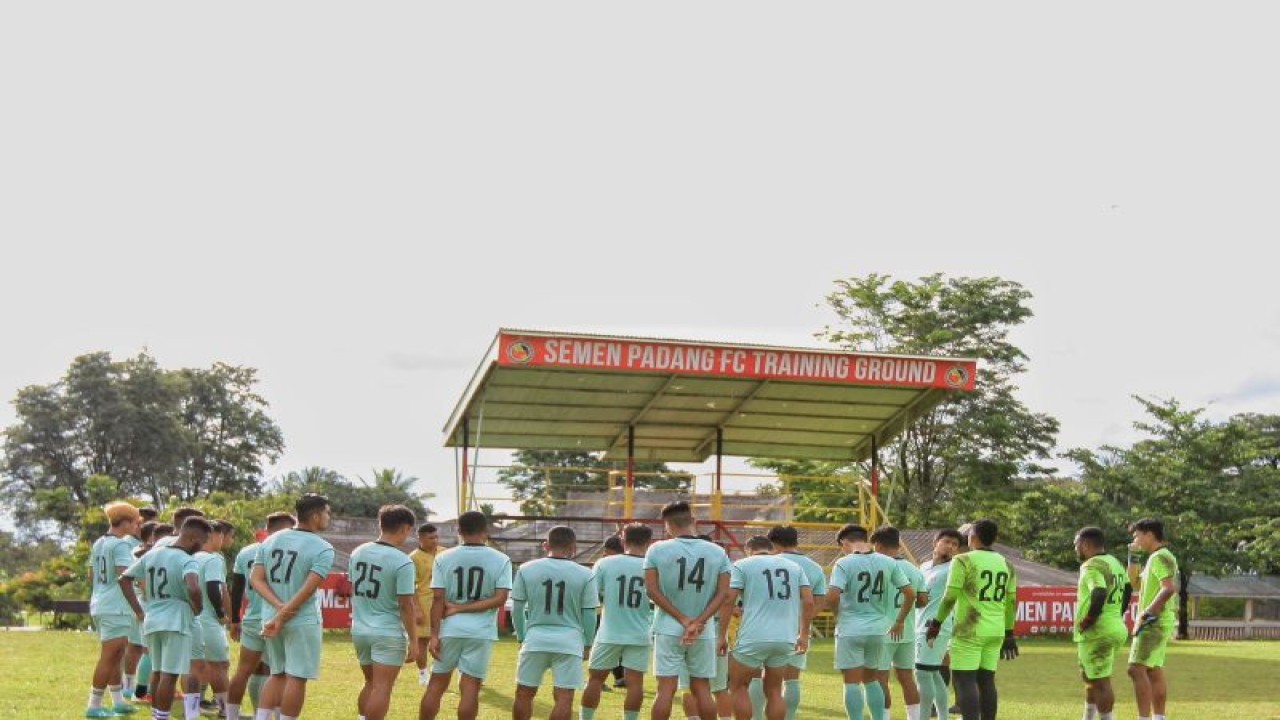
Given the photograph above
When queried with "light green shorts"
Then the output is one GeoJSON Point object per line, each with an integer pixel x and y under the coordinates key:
{"type": "Point", "coordinates": [111, 627]}
{"type": "Point", "coordinates": [214, 641]}
{"type": "Point", "coordinates": [1097, 652]}
{"type": "Point", "coordinates": [764, 654]}
{"type": "Point", "coordinates": [670, 658]}
{"type": "Point", "coordinates": [935, 655]}
{"type": "Point", "coordinates": [1149, 646]}
{"type": "Point", "coordinates": [719, 683]}
{"type": "Point", "coordinates": [197, 640]}
{"type": "Point", "coordinates": [467, 655]}
{"type": "Point", "coordinates": [170, 652]}
{"type": "Point", "coordinates": [607, 656]}
{"type": "Point", "coordinates": [566, 669]}
{"type": "Point", "coordinates": [135, 634]}
{"type": "Point", "coordinates": [901, 655]}
{"type": "Point", "coordinates": [380, 649]}
{"type": "Point", "coordinates": [251, 637]}
{"type": "Point", "coordinates": [976, 653]}
{"type": "Point", "coordinates": [858, 651]}
{"type": "Point", "coordinates": [296, 651]}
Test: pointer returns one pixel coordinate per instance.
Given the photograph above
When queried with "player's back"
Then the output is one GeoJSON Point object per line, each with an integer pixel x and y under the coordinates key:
{"type": "Point", "coordinates": [935, 581]}
{"type": "Point", "coordinates": [812, 570]}
{"type": "Point", "coordinates": [771, 598]}
{"type": "Point", "coordinates": [1160, 566]}
{"type": "Point", "coordinates": [626, 618]}
{"type": "Point", "coordinates": [867, 582]}
{"type": "Point", "coordinates": [165, 570]}
{"type": "Point", "coordinates": [689, 572]}
{"type": "Point", "coordinates": [213, 568]}
{"type": "Point", "coordinates": [555, 591]}
{"type": "Point", "coordinates": [466, 574]}
{"type": "Point", "coordinates": [1103, 572]}
{"type": "Point", "coordinates": [379, 574]}
{"type": "Point", "coordinates": [988, 589]}
{"type": "Point", "coordinates": [108, 553]}
{"type": "Point", "coordinates": [287, 558]}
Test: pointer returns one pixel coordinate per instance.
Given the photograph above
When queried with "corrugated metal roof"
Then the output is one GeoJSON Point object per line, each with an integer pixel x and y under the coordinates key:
{"type": "Point", "coordinates": [1236, 586]}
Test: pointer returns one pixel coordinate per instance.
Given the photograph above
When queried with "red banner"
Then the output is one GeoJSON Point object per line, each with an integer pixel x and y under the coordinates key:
{"type": "Point", "coordinates": [733, 361]}
{"type": "Point", "coordinates": [335, 601]}
{"type": "Point", "coordinates": [1051, 611]}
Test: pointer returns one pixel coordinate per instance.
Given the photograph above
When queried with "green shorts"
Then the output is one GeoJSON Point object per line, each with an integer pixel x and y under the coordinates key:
{"type": "Point", "coordinates": [901, 655]}
{"type": "Point", "coordinates": [214, 641]}
{"type": "Point", "coordinates": [764, 654]}
{"type": "Point", "coordinates": [112, 627]}
{"type": "Point", "coordinates": [197, 641]}
{"type": "Point", "coordinates": [607, 656]}
{"type": "Point", "coordinates": [670, 658]}
{"type": "Point", "coordinates": [719, 683]}
{"type": "Point", "coordinates": [170, 652]}
{"type": "Point", "coordinates": [380, 649]}
{"type": "Point", "coordinates": [467, 655]}
{"type": "Point", "coordinates": [976, 653]}
{"type": "Point", "coordinates": [935, 655]}
{"type": "Point", "coordinates": [1097, 653]}
{"type": "Point", "coordinates": [798, 661]}
{"type": "Point", "coordinates": [296, 651]}
{"type": "Point", "coordinates": [135, 634]}
{"type": "Point", "coordinates": [251, 637]}
{"type": "Point", "coordinates": [858, 651]}
{"type": "Point", "coordinates": [1149, 646]}
{"type": "Point", "coordinates": [566, 669]}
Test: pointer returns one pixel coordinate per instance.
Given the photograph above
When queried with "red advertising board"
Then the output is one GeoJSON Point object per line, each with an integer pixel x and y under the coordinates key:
{"type": "Point", "coordinates": [737, 361]}
{"type": "Point", "coordinates": [335, 601]}
{"type": "Point", "coordinates": [1050, 611]}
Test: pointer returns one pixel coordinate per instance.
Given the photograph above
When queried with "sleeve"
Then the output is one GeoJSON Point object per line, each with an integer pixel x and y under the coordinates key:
{"type": "Point", "coordinates": [724, 563]}
{"type": "Point", "coordinates": [1163, 567]}
{"type": "Point", "coordinates": [921, 586]}
{"type": "Point", "coordinates": [590, 596]}
{"type": "Point", "coordinates": [1092, 577]}
{"type": "Point", "coordinates": [191, 566]}
{"type": "Point", "coordinates": [504, 575]}
{"type": "Point", "coordinates": [260, 557]}
{"type": "Point", "coordinates": [438, 573]}
{"type": "Point", "coordinates": [517, 587]}
{"type": "Point", "coordinates": [804, 578]}
{"type": "Point", "coordinates": [899, 577]}
{"type": "Point", "coordinates": [838, 578]}
{"type": "Point", "coordinates": [735, 577]}
{"type": "Point", "coordinates": [136, 569]}
{"type": "Point", "coordinates": [323, 561]}
{"type": "Point", "coordinates": [651, 556]}
{"type": "Point", "coordinates": [819, 583]}
{"type": "Point", "coordinates": [596, 580]}
{"type": "Point", "coordinates": [1011, 601]}
{"type": "Point", "coordinates": [241, 564]}
{"type": "Point", "coordinates": [959, 573]}
{"type": "Point", "coordinates": [217, 570]}
{"type": "Point", "coordinates": [406, 577]}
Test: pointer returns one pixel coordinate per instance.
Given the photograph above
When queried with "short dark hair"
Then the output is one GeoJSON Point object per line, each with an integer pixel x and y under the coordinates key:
{"type": "Point", "coordinates": [147, 530]}
{"type": "Point", "coordinates": [561, 537]}
{"type": "Point", "coordinates": [181, 514]}
{"type": "Point", "coordinates": [472, 522]}
{"type": "Point", "coordinates": [280, 520]}
{"type": "Point", "coordinates": [784, 536]}
{"type": "Point", "coordinates": [637, 534]}
{"type": "Point", "coordinates": [952, 533]}
{"type": "Point", "coordinates": [394, 517]}
{"type": "Point", "coordinates": [1149, 524]}
{"type": "Point", "coordinates": [1093, 536]}
{"type": "Point", "coordinates": [308, 505]}
{"type": "Point", "coordinates": [986, 530]}
{"type": "Point", "coordinates": [162, 530]}
{"type": "Point", "coordinates": [887, 536]}
{"type": "Point", "coordinates": [852, 533]}
{"type": "Point", "coordinates": [197, 523]}
{"type": "Point", "coordinates": [759, 542]}
{"type": "Point", "coordinates": [427, 529]}
{"type": "Point", "coordinates": [148, 513]}
{"type": "Point", "coordinates": [222, 527]}
{"type": "Point", "coordinates": [678, 513]}
{"type": "Point", "coordinates": [613, 544]}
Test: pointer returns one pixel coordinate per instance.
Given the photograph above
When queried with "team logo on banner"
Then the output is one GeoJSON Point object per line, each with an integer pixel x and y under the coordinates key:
{"type": "Point", "coordinates": [957, 377]}
{"type": "Point", "coordinates": [520, 352]}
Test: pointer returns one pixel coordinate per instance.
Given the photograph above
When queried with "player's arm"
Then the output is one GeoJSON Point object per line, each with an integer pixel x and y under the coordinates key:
{"type": "Point", "coordinates": [408, 618]}
{"type": "Point", "coordinates": [807, 610]}
{"type": "Point", "coordinates": [518, 618]}
{"type": "Point", "coordinates": [717, 600]}
{"type": "Point", "coordinates": [654, 590]}
{"type": "Point", "coordinates": [1167, 590]}
{"type": "Point", "coordinates": [289, 609]}
{"type": "Point", "coordinates": [126, 589]}
{"type": "Point", "coordinates": [1133, 568]}
{"type": "Point", "coordinates": [237, 596]}
{"type": "Point", "coordinates": [723, 617]}
{"type": "Point", "coordinates": [589, 620]}
{"type": "Point", "coordinates": [193, 592]}
{"type": "Point", "coordinates": [1094, 582]}
{"type": "Point", "coordinates": [1009, 649]}
{"type": "Point", "coordinates": [922, 598]}
{"type": "Point", "coordinates": [214, 589]}
{"type": "Point", "coordinates": [258, 579]}
{"type": "Point", "coordinates": [437, 617]}
{"type": "Point", "coordinates": [498, 599]}
{"type": "Point", "coordinates": [908, 600]}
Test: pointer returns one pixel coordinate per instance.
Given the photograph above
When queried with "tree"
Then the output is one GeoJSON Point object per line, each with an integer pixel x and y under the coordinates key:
{"type": "Point", "coordinates": [964, 456]}
{"type": "Point", "coordinates": [387, 487]}
{"type": "Point", "coordinates": [542, 479]}
{"type": "Point", "coordinates": [160, 434]}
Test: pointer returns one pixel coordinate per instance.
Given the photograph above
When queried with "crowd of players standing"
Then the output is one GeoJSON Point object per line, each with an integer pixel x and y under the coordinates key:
{"type": "Point", "coordinates": [732, 635]}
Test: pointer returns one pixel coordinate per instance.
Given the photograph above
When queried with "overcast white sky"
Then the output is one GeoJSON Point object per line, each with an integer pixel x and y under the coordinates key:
{"type": "Point", "coordinates": [354, 197]}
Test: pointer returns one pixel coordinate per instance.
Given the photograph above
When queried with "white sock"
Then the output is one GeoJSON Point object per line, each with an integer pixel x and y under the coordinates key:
{"type": "Point", "coordinates": [362, 717]}
{"type": "Point", "coordinates": [221, 698]}
{"type": "Point", "coordinates": [1090, 711]}
{"type": "Point", "coordinates": [1108, 715]}
{"type": "Point", "coordinates": [191, 704]}
{"type": "Point", "coordinates": [288, 717]}
{"type": "Point", "coordinates": [913, 712]}
{"type": "Point", "coordinates": [233, 712]}
{"type": "Point", "coordinates": [692, 717]}
{"type": "Point", "coordinates": [117, 695]}
{"type": "Point", "coordinates": [130, 683]}
{"type": "Point", "coordinates": [1158, 717]}
{"type": "Point", "coordinates": [95, 697]}
{"type": "Point", "coordinates": [1143, 717]}
{"type": "Point", "coordinates": [265, 714]}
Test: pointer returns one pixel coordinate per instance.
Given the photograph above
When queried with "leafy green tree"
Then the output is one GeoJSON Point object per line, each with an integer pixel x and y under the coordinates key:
{"type": "Point", "coordinates": [386, 487]}
{"type": "Point", "coordinates": [963, 457]}
{"type": "Point", "coordinates": [542, 479]}
{"type": "Point", "coordinates": [160, 434]}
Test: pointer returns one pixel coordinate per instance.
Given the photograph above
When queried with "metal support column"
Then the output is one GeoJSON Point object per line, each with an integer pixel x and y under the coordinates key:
{"type": "Point", "coordinates": [717, 509]}
{"type": "Point", "coordinates": [629, 494]}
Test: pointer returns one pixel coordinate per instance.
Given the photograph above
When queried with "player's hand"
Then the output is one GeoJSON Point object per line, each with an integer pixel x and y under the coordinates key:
{"type": "Point", "coordinates": [931, 630]}
{"type": "Point", "coordinates": [895, 632]}
{"type": "Point", "coordinates": [802, 644]}
{"type": "Point", "coordinates": [271, 628]}
{"type": "Point", "coordinates": [433, 647]}
{"type": "Point", "coordinates": [1009, 650]}
{"type": "Point", "coordinates": [411, 655]}
{"type": "Point", "coordinates": [235, 631]}
{"type": "Point", "coordinates": [1144, 622]}
{"type": "Point", "coordinates": [722, 647]}
{"type": "Point", "coordinates": [142, 616]}
{"type": "Point", "coordinates": [450, 609]}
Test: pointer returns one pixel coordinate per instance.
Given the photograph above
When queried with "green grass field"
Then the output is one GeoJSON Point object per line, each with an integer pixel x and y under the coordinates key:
{"type": "Point", "coordinates": [46, 675]}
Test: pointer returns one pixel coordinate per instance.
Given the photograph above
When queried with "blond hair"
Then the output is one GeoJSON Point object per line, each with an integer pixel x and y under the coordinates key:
{"type": "Point", "coordinates": [120, 511]}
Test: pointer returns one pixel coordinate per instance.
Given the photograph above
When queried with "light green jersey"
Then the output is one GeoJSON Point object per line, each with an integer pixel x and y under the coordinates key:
{"type": "Point", "coordinates": [916, 579]}
{"type": "Point", "coordinates": [689, 573]}
{"type": "Point", "coordinates": [554, 591]}
{"type": "Point", "coordinates": [107, 555]}
{"type": "Point", "coordinates": [468, 573]}
{"type": "Point", "coordinates": [1160, 566]}
{"type": "Point", "coordinates": [627, 618]}
{"type": "Point", "coordinates": [985, 589]}
{"type": "Point", "coordinates": [288, 557]}
{"type": "Point", "coordinates": [771, 603]}
{"type": "Point", "coordinates": [213, 568]}
{"type": "Point", "coordinates": [1106, 573]}
{"type": "Point", "coordinates": [380, 575]}
{"type": "Point", "coordinates": [812, 570]}
{"type": "Point", "coordinates": [244, 566]}
{"type": "Point", "coordinates": [935, 581]}
{"type": "Point", "coordinates": [165, 571]}
{"type": "Point", "coordinates": [866, 582]}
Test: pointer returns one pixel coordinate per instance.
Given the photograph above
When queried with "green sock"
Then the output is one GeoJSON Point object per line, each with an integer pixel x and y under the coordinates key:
{"type": "Point", "coordinates": [791, 693]}
{"type": "Point", "coordinates": [756, 692]}
{"type": "Point", "coordinates": [875, 700]}
{"type": "Point", "coordinates": [853, 700]}
{"type": "Point", "coordinates": [586, 713]}
{"type": "Point", "coordinates": [255, 688]}
{"type": "Point", "coordinates": [630, 715]}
